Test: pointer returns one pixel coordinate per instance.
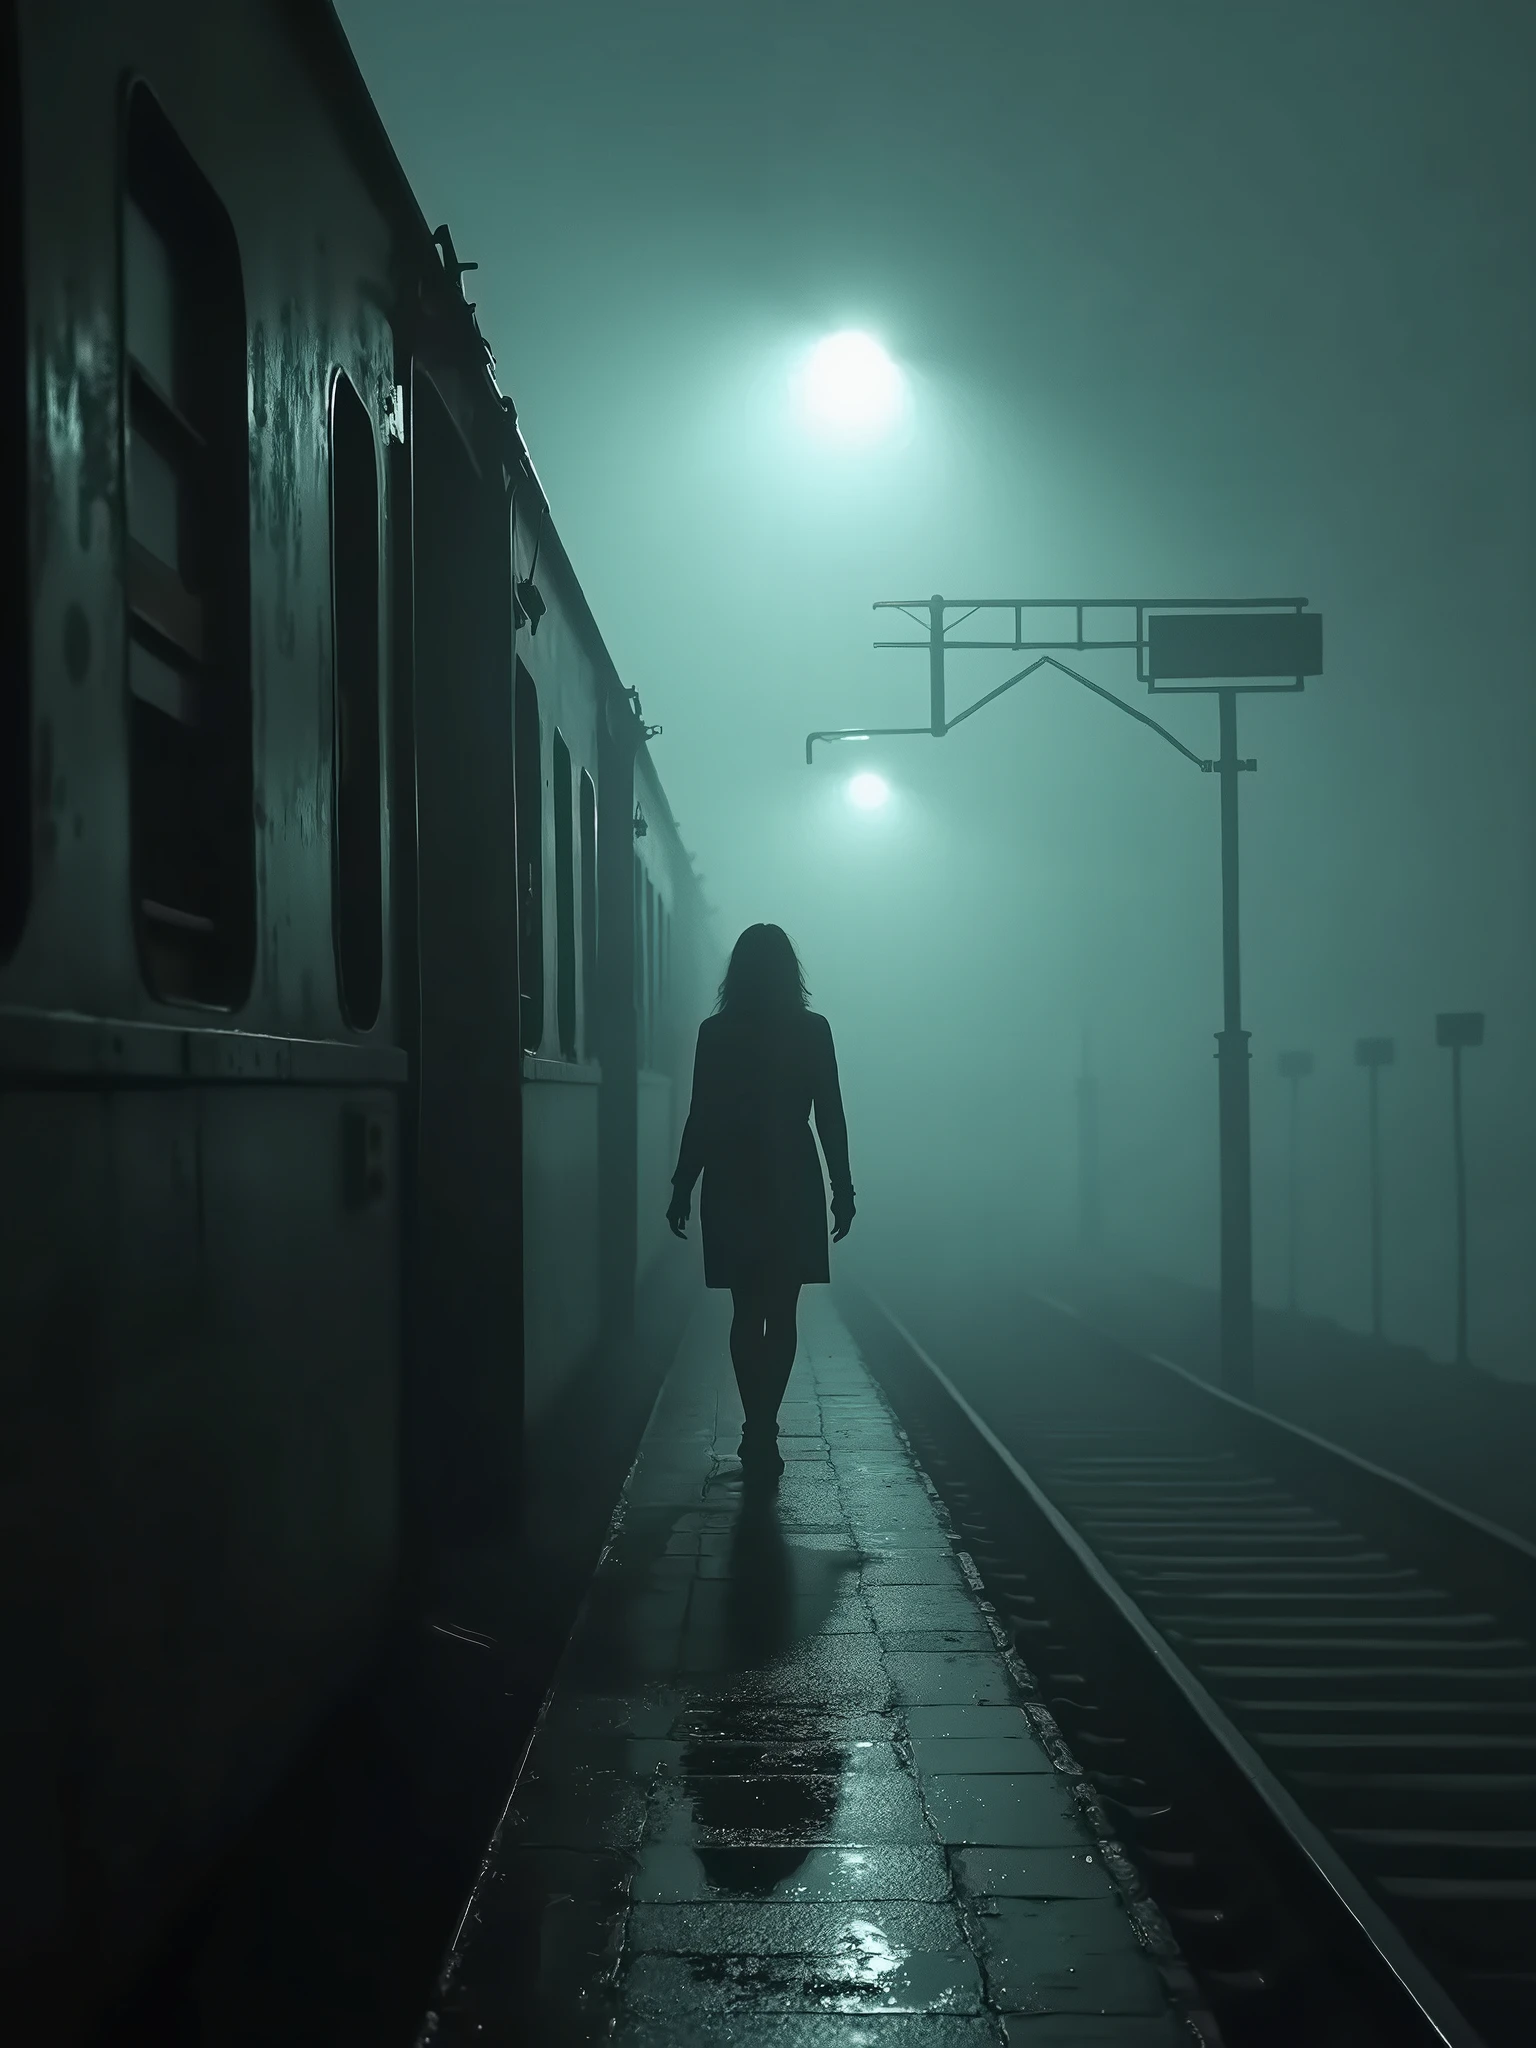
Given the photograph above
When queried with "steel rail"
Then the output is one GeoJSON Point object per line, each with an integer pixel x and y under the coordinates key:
{"type": "Point", "coordinates": [1485, 1552]}
{"type": "Point", "coordinates": [1403, 1976]}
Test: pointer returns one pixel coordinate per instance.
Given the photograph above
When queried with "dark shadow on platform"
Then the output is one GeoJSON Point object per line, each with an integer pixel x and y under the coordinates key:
{"type": "Point", "coordinates": [762, 1620]}
{"type": "Point", "coordinates": [328, 1924]}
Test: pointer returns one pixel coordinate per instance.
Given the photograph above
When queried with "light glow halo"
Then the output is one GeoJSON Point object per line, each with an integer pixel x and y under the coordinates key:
{"type": "Point", "coordinates": [849, 388]}
{"type": "Point", "coordinates": [868, 791]}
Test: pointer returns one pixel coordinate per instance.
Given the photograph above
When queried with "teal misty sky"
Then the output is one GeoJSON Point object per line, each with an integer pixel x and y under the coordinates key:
{"type": "Point", "coordinates": [1195, 298]}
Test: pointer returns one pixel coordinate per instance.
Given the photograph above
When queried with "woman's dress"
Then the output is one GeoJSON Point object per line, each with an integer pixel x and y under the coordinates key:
{"type": "Point", "coordinates": [763, 1211]}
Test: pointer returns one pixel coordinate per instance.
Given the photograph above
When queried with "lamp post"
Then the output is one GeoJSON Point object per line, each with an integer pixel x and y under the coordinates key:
{"type": "Point", "coordinates": [1458, 1029]}
{"type": "Point", "coordinates": [1090, 1205]}
{"type": "Point", "coordinates": [1221, 647]}
{"type": "Point", "coordinates": [1373, 1054]}
{"type": "Point", "coordinates": [1294, 1067]}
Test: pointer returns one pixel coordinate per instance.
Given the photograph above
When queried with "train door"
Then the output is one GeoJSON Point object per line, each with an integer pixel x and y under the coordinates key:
{"type": "Point", "coordinates": [465, 1388]}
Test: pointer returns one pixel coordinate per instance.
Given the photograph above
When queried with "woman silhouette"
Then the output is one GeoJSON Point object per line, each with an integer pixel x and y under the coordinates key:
{"type": "Point", "coordinates": [764, 1060]}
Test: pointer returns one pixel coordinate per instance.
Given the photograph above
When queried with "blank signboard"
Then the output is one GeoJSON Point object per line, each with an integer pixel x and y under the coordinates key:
{"type": "Point", "coordinates": [1211, 646]}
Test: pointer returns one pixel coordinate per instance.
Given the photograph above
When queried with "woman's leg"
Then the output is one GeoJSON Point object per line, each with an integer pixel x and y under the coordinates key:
{"type": "Point", "coordinates": [780, 1340]}
{"type": "Point", "coordinates": [747, 1324]}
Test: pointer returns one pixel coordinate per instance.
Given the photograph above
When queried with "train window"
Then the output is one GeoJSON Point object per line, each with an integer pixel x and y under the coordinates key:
{"type": "Point", "coordinates": [528, 771]}
{"type": "Point", "coordinates": [588, 915]}
{"type": "Point", "coordinates": [192, 846]}
{"type": "Point", "coordinates": [15, 654]}
{"type": "Point", "coordinates": [565, 902]}
{"type": "Point", "coordinates": [355, 543]}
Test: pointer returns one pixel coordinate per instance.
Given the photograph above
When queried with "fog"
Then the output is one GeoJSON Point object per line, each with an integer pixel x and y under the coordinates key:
{"type": "Point", "coordinates": [1193, 300]}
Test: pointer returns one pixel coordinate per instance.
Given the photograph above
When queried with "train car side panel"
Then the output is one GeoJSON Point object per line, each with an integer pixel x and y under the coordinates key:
{"type": "Point", "coordinates": [561, 1318]}
{"type": "Point", "coordinates": [561, 1075]}
{"type": "Point", "coordinates": [209, 1535]}
{"type": "Point", "coordinates": [467, 1391]}
{"type": "Point", "coordinates": [201, 1356]}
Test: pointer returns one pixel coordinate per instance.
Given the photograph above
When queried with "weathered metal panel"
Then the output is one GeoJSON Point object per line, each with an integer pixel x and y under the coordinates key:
{"type": "Point", "coordinates": [320, 270]}
{"type": "Point", "coordinates": [466, 1365]}
{"type": "Point", "coordinates": [569, 684]}
{"type": "Point", "coordinates": [200, 1393]}
{"type": "Point", "coordinates": [204, 1235]}
{"type": "Point", "coordinates": [199, 1371]}
{"type": "Point", "coordinates": [656, 1155]}
{"type": "Point", "coordinates": [560, 1233]}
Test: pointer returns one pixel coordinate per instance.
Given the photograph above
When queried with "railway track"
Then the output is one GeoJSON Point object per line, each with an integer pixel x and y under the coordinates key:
{"type": "Point", "coordinates": [1304, 1689]}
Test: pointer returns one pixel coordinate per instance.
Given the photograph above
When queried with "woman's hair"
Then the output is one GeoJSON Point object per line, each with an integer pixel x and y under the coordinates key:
{"type": "Point", "coordinates": [764, 973]}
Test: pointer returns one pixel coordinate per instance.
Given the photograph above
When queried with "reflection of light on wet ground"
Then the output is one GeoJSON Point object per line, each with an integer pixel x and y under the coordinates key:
{"type": "Point", "coordinates": [868, 1953]}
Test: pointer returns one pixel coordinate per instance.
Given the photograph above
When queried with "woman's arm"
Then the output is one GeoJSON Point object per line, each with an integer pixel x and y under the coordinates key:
{"type": "Point", "coordinates": [691, 1153]}
{"type": "Point", "coordinates": [831, 1123]}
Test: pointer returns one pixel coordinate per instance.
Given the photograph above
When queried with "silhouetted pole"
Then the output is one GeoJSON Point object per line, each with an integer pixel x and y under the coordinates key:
{"type": "Point", "coordinates": [1373, 1054]}
{"type": "Point", "coordinates": [1187, 645]}
{"type": "Point", "coordinates": [1294, 1067]}
{"type": "Point", "coordinates": [1090, 1211]}
{"type": "Point", "coordinates": [936, 711]}
{"type": "Point", "coordinates": [1232, 1074]}
{"type": "Point", "coordinates": [1461, 1208]}
{"type": "Point", "coordinates": [1458, 1029]}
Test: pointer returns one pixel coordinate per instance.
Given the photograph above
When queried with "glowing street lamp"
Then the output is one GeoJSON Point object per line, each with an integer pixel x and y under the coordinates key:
{"type": "Point", "coordinates": [869, 792]}
{"type": "Point", "coordinates": [849, 389]}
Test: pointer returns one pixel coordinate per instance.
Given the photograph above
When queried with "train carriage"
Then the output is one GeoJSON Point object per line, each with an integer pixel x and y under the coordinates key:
{"type": "Point", "coordinates": [345, 936]}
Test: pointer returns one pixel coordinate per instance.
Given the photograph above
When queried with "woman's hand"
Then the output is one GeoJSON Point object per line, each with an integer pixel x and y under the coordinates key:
{"type": "Point", "coordinates": [679, 1209]}
{"type": "Point", "coordinates": [843, 1213]}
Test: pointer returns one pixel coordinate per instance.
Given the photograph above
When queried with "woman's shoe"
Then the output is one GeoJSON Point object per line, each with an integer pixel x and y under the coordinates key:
{"type": "Point", "coordinates": [760, 1454]}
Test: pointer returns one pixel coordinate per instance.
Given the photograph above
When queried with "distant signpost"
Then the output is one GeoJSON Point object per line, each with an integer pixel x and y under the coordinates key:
{"type": "Point", "coordinates": [1090, 1199]}
{"type": "Point", "coordinates": [1373, 1054]}
{"type": "Point", "coordinates": [1458, 1029]}
{"type": "Point", "coordinates": [1223, 647]}
{"type": "Point", "coordinates": [1294, 1067]}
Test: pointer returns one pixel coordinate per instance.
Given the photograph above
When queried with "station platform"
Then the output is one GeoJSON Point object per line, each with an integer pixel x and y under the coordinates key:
{"type": "Point", "coordinates": [791, 1785]}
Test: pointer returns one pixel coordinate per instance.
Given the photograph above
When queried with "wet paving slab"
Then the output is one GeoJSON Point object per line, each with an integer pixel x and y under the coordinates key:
{"type": "Point", "coordinates": [791, 1786]}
